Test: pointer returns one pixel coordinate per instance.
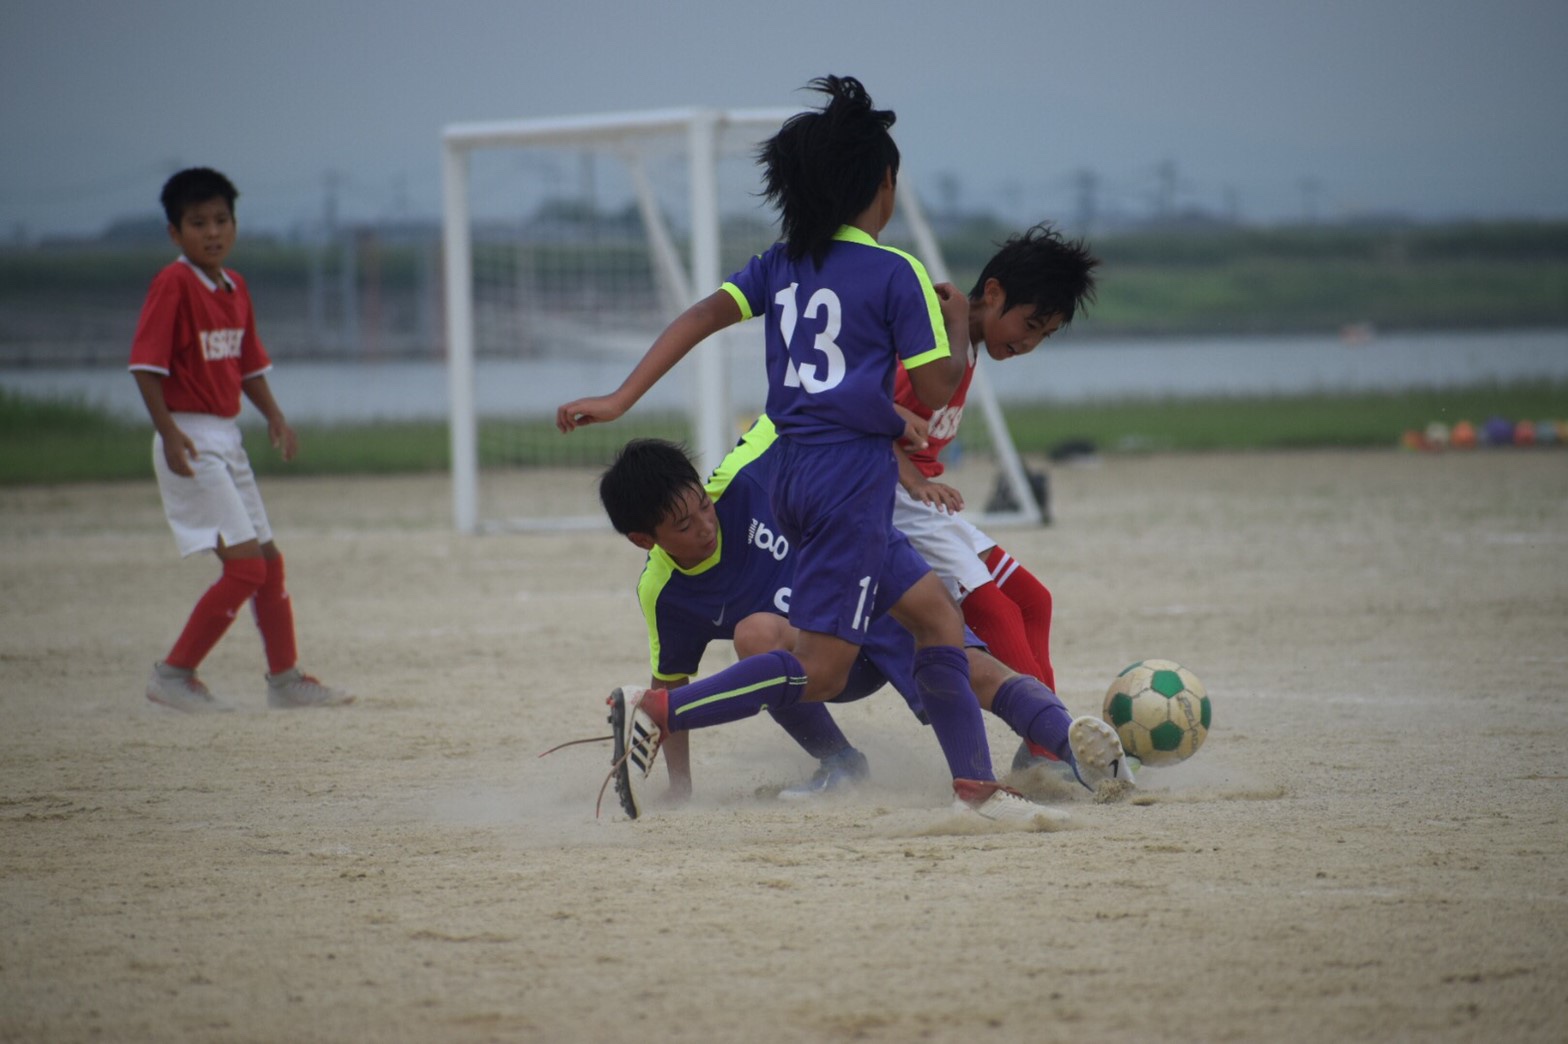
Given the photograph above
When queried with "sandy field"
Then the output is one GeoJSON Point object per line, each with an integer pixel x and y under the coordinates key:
{"type": "Point", "coordinates": [1372, 846]}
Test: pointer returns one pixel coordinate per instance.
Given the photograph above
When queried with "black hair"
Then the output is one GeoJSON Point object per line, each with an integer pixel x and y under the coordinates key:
{"type": "Point", "coordinates": [824, 166]}
{"type": "Point", "coordinates": [1041, 267]}
{"type": "Point", "coordinates": [645, 483]}
{"type": "Point", "coordinates": [192, 186]}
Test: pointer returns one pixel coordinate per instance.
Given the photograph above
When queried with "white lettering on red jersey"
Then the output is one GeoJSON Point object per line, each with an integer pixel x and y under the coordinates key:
{"type": "Point", "coordinates": [201, 337]}
{"type": "Point", "coordinates": [221, 344]}
{"type": "Point", "coordinates": [943, 422]}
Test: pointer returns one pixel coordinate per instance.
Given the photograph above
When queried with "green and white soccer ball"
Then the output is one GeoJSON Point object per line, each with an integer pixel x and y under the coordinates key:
{"type": "Point", "coordinates": [1160, 710]}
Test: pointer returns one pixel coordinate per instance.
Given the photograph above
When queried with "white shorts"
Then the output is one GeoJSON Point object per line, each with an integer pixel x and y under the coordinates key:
{"type": "Point", "coordinates": [221, 500]}
{"type": "Point", "coordinates": [951, 546]}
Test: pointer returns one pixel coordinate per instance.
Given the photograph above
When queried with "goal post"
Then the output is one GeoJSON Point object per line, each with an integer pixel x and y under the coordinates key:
{"type": "Point", "coordinates": [568, 244]}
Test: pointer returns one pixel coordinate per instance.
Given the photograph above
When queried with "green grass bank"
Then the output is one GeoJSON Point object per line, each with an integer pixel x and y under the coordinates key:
{"type": "Point", "coordinates": [52, 441]}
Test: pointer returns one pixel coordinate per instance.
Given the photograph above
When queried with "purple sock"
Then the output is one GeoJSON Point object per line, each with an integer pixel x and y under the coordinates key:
{"type": "Point", "coordinates": [942, 678]}
{"type": "Point", "coordinates": [771, 679]}
{"type": "Point", "coordinates": [1035, 713]}
{"type": "Point", "coordinates": [812, 727]}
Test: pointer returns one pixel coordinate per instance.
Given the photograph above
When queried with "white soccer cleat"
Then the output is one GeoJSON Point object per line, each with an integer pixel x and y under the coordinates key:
{"type": "Point", "coordinates": [994, 801]}
{"type": "Point", "coordinates": [1098, 754]}
{"type": "Point", "coordinates": [180, 689]}
{"type": "Point", "coordinates": [293, 688]}
{"type": "Point", "coordinates": [637, 737]}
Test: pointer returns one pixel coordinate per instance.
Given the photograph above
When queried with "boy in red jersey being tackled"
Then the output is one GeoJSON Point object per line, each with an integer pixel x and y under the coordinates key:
{"type": "Point", "coordinates": [1030, 288]}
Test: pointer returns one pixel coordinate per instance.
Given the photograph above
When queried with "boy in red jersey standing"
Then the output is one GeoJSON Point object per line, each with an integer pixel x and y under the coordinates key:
{"type": "Point", "coordinates": [195, 351]}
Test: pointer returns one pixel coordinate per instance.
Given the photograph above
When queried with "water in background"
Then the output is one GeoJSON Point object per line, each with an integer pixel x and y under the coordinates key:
{"type": "Point", "coordinates": [1062, 371]}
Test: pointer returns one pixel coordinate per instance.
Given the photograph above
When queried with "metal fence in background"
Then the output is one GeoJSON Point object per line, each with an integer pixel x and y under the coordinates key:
{"type": "Point", "coordinates": [368, 293]}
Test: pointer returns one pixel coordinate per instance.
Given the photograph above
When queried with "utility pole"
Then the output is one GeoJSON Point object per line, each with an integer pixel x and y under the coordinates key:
{"type": "Point", "coordinates": [1087, 185]}
{"type": "Point", "coordinates": [1165, 194]}
{"type": "Point", "coordinates": [1311, 196]}
{"type": "Point", "coordinates": [329, 205]}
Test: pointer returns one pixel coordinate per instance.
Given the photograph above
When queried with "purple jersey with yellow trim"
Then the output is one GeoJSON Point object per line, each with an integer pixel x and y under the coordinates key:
{"type": "Point", "coordinates": [752, 572]}
{"type": "Point", "coordinates": [685, 609]}
{"type": "Point", "coordinates": [836, 333]}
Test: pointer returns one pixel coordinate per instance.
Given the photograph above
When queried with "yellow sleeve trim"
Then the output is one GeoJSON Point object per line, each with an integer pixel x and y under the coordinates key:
{"type": "Point", "coordinates": [942, 349]}
{"type": "Point", "coordinates": [740, 299]}
{"type": "Point", "coordinates": [751, 446]}
{"type": "Point", "coordinates": [939, 352]}
{"type": "Point", "coordinates": [654, 576]}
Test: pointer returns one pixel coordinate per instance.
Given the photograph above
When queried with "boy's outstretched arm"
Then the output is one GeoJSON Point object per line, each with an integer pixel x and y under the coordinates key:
{"type": "Point", "coordinates": [703, 319]}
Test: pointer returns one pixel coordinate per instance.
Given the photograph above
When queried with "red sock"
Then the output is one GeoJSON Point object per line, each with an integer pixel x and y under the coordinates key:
{"type": "Point", "coordinates": [994, 617]}
{"type": "Point", "coordinates": [657, 703]}
{"type": "Point", "coordinates": [275, 618]}
{"type": "Point", "coordinates": [215, 611]}
{"type": "Point", "coordinates": [1034, 606]}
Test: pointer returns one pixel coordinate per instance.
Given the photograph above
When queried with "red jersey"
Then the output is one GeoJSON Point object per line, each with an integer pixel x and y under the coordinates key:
{"type": "Point", "coordinates": [944, 422]}
{"type": "Point", "coordinates": [201, 336]}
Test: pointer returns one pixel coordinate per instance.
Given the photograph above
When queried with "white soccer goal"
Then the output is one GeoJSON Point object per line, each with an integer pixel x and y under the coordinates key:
{"type": "Point", "coordinates": [569, 243]}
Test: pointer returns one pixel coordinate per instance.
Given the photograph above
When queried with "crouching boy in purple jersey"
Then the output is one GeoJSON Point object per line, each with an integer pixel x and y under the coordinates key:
{"type": "Point", "coordinates": [841, 312]}
{"type": "Point", "coordinates": [718, 569]}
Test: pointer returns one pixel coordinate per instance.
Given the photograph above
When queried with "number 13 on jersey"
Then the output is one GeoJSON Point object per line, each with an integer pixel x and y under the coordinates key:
{"type": "Point", "coordinates": [809, 374]}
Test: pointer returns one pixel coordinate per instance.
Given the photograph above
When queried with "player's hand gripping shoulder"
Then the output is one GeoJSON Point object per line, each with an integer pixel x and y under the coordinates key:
{"type": "Point", "coordinates": [951, 300]}
{"type": "Point", "coordinates": [955, 317]}
{"type": "Point", "coordinates": [934, 382]}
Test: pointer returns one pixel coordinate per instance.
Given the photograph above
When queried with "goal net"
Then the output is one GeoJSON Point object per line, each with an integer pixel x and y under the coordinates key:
{"type": "Point", "coordinates": [568, 244]}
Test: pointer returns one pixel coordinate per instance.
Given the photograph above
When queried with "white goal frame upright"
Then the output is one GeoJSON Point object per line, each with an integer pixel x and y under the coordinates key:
{"type": "Point", "coordinates": [685, 280]}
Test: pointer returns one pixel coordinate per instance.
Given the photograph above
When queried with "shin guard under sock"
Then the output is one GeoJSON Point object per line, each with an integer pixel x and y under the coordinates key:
{"type": "Point", "coordinates": [1033, 599]}
{"type": "Point", "coordinates": [942, 678]}
{"type": "Point", "coordinates": [215, 611]}
{"type": "Point", "coordinates": [771, 679]}
{"type": "Point", "coordinates": [275, 618]}
{"type": "Point", "coordinates": [999, 623]}
{"type": "Point", "coordinates": [1035, 713]}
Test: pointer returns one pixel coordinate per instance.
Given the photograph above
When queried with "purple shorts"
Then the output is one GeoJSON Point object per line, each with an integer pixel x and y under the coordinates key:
{"type": "Point", "coordinates": [834, 502]}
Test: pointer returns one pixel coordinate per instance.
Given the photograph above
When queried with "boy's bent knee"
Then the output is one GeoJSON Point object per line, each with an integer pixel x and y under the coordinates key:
{"type": "Point", "coordinates": [827, 661]}
{"type": "Point", "coordinates": [761, 633]}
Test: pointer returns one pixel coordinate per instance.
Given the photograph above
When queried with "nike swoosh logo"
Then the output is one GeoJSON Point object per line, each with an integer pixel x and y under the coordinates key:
{"type": "Point", "coordinates": [718, 621]}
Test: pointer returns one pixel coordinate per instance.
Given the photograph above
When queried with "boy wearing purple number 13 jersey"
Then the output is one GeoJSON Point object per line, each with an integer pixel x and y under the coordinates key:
{"type": "Point", "coordinates": [841, 312]}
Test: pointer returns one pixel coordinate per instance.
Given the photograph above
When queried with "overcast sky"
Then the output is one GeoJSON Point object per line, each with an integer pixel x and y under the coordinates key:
{"type": "Point", "coordinates": [1434, 108]}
